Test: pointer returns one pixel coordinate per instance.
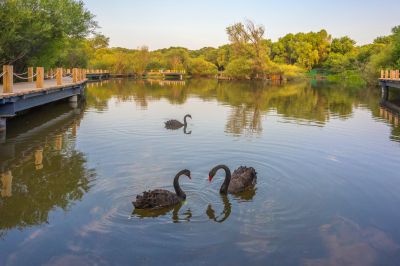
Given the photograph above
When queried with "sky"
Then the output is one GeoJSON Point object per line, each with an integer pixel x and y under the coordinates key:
{"type": "Point", "coordinates": [195, 24]}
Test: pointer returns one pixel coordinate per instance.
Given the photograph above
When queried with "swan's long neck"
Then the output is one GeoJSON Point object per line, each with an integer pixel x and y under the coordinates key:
{"type": "Point", "coordinates": [184, 119]}
{"type": "Point", "coordinates": [224, 187]}
{"type": "Point", "coordinates": [177, 187]}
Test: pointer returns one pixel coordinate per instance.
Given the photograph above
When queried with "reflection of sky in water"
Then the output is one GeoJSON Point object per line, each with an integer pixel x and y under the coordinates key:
{"type": "Point", "coordinates": [326, 158]}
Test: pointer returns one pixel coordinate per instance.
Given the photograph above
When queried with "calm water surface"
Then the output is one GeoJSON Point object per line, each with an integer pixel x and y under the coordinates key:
{"type": "Point", "coordinates": [327, 157]}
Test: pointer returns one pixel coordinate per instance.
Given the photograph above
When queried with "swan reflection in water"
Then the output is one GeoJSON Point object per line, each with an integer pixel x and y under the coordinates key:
{"type": "Point", "coordinates": [224, 214]}
{"type": "Point", "coordinates": [246, 195]}
{"type": "Point", "coordinates": [154, 213]}
{"type": "Point", "coordinates": [185, 131]}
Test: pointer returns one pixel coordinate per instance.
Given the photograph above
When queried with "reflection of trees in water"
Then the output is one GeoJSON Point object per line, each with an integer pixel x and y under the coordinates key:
{"type": "Point", "coordinates": [249, 101]}
{"type": "Point", "coordinates": [243, 119]}
{"type": "Point", "coordinates": [42, 171]}
{"type": "Point", "coordinates": [62, 180]}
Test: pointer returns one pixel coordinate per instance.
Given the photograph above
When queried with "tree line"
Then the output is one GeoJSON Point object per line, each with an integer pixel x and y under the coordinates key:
{"type": "Point", "coordinates": [64, 33]}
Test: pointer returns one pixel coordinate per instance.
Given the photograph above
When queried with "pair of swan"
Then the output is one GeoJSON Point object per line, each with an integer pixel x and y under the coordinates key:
{"type": "Point", "coordinates": [241, 179]}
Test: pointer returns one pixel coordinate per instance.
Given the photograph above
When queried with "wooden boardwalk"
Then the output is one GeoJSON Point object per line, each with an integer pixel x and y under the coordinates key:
{"type": "Point", "coordinates": [389, 79]}
{"type": "Point", "coordinates": [22, 88]}
{"type": "Point", "coordinates": [60, 85]}
{"type": "Point", "coordinates": [166, 74]}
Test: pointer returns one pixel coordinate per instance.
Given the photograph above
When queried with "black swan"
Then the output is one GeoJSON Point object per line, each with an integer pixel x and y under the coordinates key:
{"type": "Point", "coordinates": [175, 124]}
{"type": "Point", "coordinates": [241, 179]}
{"type": "Point", "coordinates": [161, 198]}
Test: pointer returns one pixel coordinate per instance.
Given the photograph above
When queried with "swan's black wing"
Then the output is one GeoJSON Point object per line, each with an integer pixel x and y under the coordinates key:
{"type": "Point", "coordinates": [242, 178]}
{"type": "Point", "coordinates": [173, 124]}
{"type": "Point", "coordinates": [158, 198]}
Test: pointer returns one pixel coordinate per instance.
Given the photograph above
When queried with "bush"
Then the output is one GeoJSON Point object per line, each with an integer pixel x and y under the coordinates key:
{"type": "Point", "coordinates": [240, 68]}
{"type": "Point", "coordinates": [291, 72]}
{"type": "Point", "coordinates": [200, 67]}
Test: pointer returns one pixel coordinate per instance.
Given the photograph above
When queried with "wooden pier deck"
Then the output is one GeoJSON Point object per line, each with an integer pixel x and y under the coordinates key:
{"type": "Point", "coordinates": [60, 84]}
{"type": "Point", "coordinates": [389, 79]}
{"type": "Point", "coordinates": [29, 87]}
{"type": "Point", "coordinates": [166, 74]}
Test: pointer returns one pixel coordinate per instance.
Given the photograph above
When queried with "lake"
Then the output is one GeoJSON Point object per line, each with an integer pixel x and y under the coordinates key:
{"type": "Point", "coordinates": [327, 158]}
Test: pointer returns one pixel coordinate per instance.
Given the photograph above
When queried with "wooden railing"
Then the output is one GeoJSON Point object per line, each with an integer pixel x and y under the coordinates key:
{"type": "Point", "coordinates": [96, 71]}
{"type": "Point", "coordinates": [77, 74]}
{"type": "Point", "coordinates": [390, 74]}
{"type": "Point", "coordinates": [166, 71]}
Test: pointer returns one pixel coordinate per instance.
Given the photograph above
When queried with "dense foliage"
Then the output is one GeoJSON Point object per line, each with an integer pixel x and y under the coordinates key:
{"type": "Point", "coordinates": [250, 56]}
{"type": "Point", "coordinates": [36, 32]}
{"type": "Point", "coordinates": [63, 33]}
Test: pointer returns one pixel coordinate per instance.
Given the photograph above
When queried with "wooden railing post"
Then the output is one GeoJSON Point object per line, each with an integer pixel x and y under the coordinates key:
{"type": "Point", "coordinates": [8, 79]}
{"type": "Point", "coordinates": [30, 74]}
{"type": "Point", "coordinates": [74, 75]}
{"type": "Point", "coordinates": [397, 75]}
{"type": "Point", "coordinates": [386, 74]}
{"type": "Point", "coordinates": [84, 73]}
{"type": "Point", "coordinates": [39, 77]}
{"type": "Point", "coordinates": [59, 74]}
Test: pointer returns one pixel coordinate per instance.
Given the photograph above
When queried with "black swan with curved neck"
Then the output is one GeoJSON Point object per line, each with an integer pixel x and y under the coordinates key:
{"type": "Point", "coordinates": [241, 179]}
{"type": "Point", "coordinates": [161, 198]}
{"type": "Point", "coordinates": [175, 124]}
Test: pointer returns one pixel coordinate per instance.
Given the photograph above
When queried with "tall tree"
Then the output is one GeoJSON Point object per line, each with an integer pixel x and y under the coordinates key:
{"type": "Point", "coordinates": [35, 31]}
{"type": "Point", "coordinates": [248, 40]}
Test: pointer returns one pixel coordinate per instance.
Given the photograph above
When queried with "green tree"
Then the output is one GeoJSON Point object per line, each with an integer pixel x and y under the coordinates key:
{"type": "Point", "coordinates": [241, 68]}
{"type": "Point", "coordinates": [34, 30]}
{"type": "Point", "coordinates": [248, 41]}
{"type": "Point", "coordinates": [342, 45]}
{"type": "Point", "coordinates": [201, 67]}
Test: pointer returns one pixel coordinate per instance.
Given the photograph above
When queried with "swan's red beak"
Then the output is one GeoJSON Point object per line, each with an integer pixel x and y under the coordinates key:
{"type": "Point", "coordinates": [210, 178]}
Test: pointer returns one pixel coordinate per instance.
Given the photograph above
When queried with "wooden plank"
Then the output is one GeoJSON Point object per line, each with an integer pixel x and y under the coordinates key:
{"type": "Point", "coordinates": [6, 180]}
{"type": "Point", "coordinates": [8, 80]}
{"type": "Point", "coordinates": [74, 75]}
{"type": "Point", "coordinates": [38, 159]}
{"type": "Point", "coordinates": [39, 77]}
{"type": "Point", "coordinates": [59, 76]}
{"type": "Point", "coordinates": [30, 74]}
